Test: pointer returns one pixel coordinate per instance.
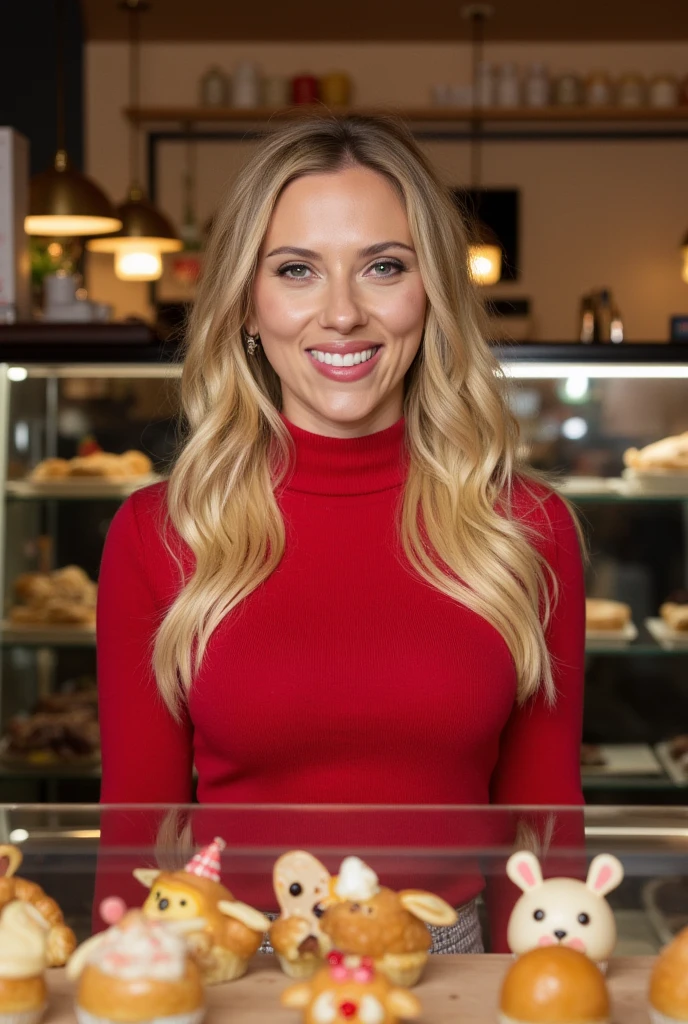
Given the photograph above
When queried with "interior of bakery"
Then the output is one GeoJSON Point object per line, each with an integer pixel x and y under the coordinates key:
{"type": "Point", "coordinates": [563, 133]}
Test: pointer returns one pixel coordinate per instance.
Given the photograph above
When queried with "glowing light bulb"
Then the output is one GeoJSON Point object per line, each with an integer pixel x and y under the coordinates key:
{"type": "Point", "coordinates": [485, 263]}
{"type": "Point", "coordinates": [133, 264]}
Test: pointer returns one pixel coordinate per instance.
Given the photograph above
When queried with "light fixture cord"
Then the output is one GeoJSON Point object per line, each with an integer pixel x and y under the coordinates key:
{"type": "Point", "coordinates": [477, 41]}
{"type": "Point", "coordinates": [60, 75]}
{"type": "Point", "coordinates": [134, 92]}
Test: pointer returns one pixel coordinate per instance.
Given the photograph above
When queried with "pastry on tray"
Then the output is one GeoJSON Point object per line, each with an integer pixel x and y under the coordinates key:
{"type": "Point", "coordinates": [231, 932]}
{"type": "Point", "coordinates": [367, 919]}
{"type": "Point", "coordinates": [675, 615]}
{"type": "Point", "coordinates": [64, 597]}
{"type": "Point", "coordinates": [23, 960]}
{"type": "Point", "coordinates": [669, 983]}
{"type": "Point", "coordinates": [671, 453]}
{"type": "Point", "coordinates": [554, 985]}
{"type": "Point", "coordinates": [60, 942]}
{"type": "Point", "coordinates": [97, 464]}
{"type": "Point", "coordinates": [606, 615]}
{"type": "Point", "coordinates": [302, 887]}
{"type": "Point", "coordinates": [591, 756]}
{"type": "Point", "coordinates": [53, 738]}
{"type": "Point", "coordinates": [348, 991]}
{"type": "Point", "coordinates": [137, 971]}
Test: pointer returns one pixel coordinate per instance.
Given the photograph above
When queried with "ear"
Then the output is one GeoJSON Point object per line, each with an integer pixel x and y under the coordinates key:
{"type": "Point", "coordinates": [523, 869]}
{"type": "Point", "coordinates": [146, 876]}
{"type": "Point", "coordinates": [403, 1004]}
{"type": "Point", "coordinates": [14, 858]}
{"type": "Point", "coordinates": [427, 907]}
{"type": "Point", "coordinates": [296, 997]}
{"type": "Point", "coordinates": [606, 872]}
{"type": "Point", "coordinates": [77, 960]}
{"type": "Point", "coordinates": [253, 919]}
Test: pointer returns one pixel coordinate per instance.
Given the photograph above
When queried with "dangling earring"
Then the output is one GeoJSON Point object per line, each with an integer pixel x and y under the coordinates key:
{"type": "Point", "coordinates": [252, 343]}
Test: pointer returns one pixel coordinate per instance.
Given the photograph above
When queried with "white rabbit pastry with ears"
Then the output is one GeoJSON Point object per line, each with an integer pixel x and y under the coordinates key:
{"type": "Point", "coordinates": [564, 911]}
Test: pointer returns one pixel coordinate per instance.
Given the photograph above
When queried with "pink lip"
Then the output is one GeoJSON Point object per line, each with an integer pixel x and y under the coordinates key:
{"type": "Point", "coordinates": [345, 373]}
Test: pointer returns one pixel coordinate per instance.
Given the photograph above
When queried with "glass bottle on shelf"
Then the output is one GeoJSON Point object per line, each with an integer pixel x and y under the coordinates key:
{"type": "Point", "coordinates": [537, 86]}
{"type": "Point", "coordinates": [508, 90]}
{"type": "Point", "coordinates": [214, 91]}
{"type": "Point", "coordinates": [568, 91]}
{"type": "Point", "coordinates": [484, 85]}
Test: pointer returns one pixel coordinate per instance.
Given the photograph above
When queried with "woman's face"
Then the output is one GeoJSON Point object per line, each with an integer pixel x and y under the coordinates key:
{"type": "Point", "coordinates": [337, 280]}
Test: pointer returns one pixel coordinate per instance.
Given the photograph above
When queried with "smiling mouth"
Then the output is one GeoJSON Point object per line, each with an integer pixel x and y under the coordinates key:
{"type": "Point", "coordinates": [350, 359]}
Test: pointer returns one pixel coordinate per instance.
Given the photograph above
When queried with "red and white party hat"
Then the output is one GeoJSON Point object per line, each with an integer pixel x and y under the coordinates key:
{"type": "Point", "coordinates": [206, 863]}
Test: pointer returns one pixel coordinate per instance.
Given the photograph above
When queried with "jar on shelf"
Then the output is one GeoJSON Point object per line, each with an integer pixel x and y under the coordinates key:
{"type": "Point", "coordinates": [537, 86]}
{"type": "Point", "coordinates": [568, 90]}
{"type": "Point", "coordinates": [599, 91]}
{"type": "Point", "coordinates": [508, 86]}
{"type": "Point", "coordinates": [214, 88]}
{"type": "Point", "coordinates": [246, 85]}
{"type": "Point", "coordinates": [335, 89]}
{"type": "Point", "coordinates": [305, 89]}
{"type": "Point", "coordinates": [631, 91]}
{"type": "Point", "coordinates": [276, 91]}
{"type": "Point", "coordinates": [663, 91]}
{"type": "Point", "coordinates": [484, 85]}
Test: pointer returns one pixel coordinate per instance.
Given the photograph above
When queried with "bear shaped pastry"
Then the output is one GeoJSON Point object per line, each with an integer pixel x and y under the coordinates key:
{"type": "Point", "coordinates": [303, 887]}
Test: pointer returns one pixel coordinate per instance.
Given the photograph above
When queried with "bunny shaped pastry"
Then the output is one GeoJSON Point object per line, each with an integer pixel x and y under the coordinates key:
{"type": "Point", "coordinates": [564, 910]}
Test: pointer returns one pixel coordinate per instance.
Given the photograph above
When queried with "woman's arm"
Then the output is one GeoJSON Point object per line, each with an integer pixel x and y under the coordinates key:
{"type": "Point", "coordinates": [147, 755]}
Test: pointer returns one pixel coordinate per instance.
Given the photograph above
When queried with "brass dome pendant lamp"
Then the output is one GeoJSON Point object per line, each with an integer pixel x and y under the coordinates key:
{"type": "Point", "coordinates": [484, 251]}
{"type": "Point", "coordinates": [63, 202]}
{"type": "Point", "coordinates": [145, 232]}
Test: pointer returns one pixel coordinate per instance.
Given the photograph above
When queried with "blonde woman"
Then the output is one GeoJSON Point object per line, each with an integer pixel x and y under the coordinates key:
{"type": "Point", "coordinates": [351, 590]}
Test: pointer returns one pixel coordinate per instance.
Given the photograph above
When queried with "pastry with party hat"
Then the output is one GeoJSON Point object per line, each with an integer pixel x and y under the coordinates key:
{"type": "Point", "coordinates": [232, 931]}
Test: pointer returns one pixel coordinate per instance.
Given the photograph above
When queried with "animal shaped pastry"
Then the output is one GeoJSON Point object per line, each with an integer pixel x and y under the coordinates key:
{"type": "Point", "coordinates": [61, 941]}
{"type": "Point", "coordinates": [138, 971]}
{"type": "Point", "coordinates": [232, 931]}
{"type": "Point", "coordinates": [369, 920]}
{"type": "Point", "coordinates": [669, 983]}
{"type": "Point", "coordinates": [564, 911]}
{"type": "Point", "coordinates": [350, 990]}
{"type": "Point", "coordinates": [23, 960]}
{"type": "Point", "coordinates": [554, 985]}
{"type": "Point", "coordinates": [303, 886]}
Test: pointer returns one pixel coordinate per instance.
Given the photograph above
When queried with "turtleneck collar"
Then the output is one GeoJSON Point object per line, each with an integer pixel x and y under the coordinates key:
{"type": "Point", "coordinates": [348, 465]}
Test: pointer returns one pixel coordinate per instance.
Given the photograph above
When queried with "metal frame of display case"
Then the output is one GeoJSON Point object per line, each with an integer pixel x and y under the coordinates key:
{"type": "Point", "coordinates": [134, 350]}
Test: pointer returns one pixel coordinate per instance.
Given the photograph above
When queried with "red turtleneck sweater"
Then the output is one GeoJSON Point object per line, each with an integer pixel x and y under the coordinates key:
{"type": "Point", "coordinates": [344, 680]}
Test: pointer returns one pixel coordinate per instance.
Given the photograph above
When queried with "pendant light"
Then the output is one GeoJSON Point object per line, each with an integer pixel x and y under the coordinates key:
{"type": "Point", "coordinates": [484, 250]}
{"type": "Point", "coordinates": [63, 202]}
{"type": "Point", "coordinates": [145, 233]}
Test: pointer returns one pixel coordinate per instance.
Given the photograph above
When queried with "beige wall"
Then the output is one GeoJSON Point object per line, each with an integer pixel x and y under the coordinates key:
{"type": "Point", "coordinates": [593, 213]}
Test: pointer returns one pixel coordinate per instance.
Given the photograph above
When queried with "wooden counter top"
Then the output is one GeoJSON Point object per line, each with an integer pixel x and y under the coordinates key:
{"type": "Point", "coordinates": [454, 990]}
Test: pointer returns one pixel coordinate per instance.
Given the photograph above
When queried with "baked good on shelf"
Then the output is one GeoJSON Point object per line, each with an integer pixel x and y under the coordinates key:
{"type": "Point", "coordinates": [51, 469]}
{"type": "Point", "coordinates": [62, 597]}
{"type": "Point", "coordinates": [23, 960]}
{"type": "Point", "coordinates": [231, 932]}
{"type": "Point", "coordinates": [97, 464]}
{"type": "Point", "coordinates": [675, 616]}
{"type": "Point", "coordinates": [369, 920]}
{"type": "Point", "coordinates": [669, 453]}
{"type": "Point", "coordinates": [602, 614]}
{"type": "Point", "coordinates": [60, 940]}
{"type": "Point", "coordinates": [49, 738]}
{"type": "Point", "coordinates": [137, 971]}
{"type": "Point", "coordinates": [350, 990]}
{"type": "Point", "coordinates": [669, 983]}
{"type": "Point", "coordinates": [302, 887]}
{"type": "Point", "coordinates": [554, 985]}
{"type": "Point", "coordinates": [591, 756]}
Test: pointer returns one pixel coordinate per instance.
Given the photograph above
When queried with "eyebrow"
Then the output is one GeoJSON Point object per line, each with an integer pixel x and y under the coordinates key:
{"type": "Point", "coordinates": [310, 254]}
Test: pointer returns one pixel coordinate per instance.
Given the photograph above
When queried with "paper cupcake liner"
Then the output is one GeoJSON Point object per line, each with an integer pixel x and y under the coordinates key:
{"type": "Point", "coordinates": [23, 1016]}
{"type": "Point", "coordinates": [399, 971]}
{"type": "Point", "coordinates": [661, 1018]}
{"type": "Point", "coordinates": [298, 969]}
{"type": "Point", "coordinates": [195, 1017]}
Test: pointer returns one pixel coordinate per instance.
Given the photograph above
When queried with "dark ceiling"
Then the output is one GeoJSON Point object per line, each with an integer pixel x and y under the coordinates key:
{"type": "Point", "coordinates": [391, 20]}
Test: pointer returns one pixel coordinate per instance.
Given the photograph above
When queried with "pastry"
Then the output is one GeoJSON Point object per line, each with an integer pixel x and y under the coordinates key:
{"type": "Point", "coordinates": [606, 615]}
{"type": "Point", "coordinates": [23, 960]}
{"type": "Point", "coordinates": [350, 990]}
{"type": "Point", "coordinates": [137, 463]}
{"type": "Point", "coordinates": [554, 985]}
{"type": "Point", "coordinates": [137, 971]}
{"type": "Point", "coordinates": [60, 940]}
{"type": "Point", "coordinates": [591, 756]}
{"type": "Point", "coordinates": [675, 616]}
{"type": "Point", "coordinates": [63, 597]}
{"type": "Point", "coordinates": [669, 453]}
{"type": "Point", "coordinates": [51, 469]}
{"type": "Point", "coordinates": [563, 911]}
{"type": "Point", "coordinates": [669, 983]}
{"type": "Point", "coordinates": [302, 887]}
{"type": "Point", "coordinates": [93, 462]}
{"type": "Point", "coordinates": [232, 931]}
{"type": "Point", "coordinates": [369, 920]}
{"type": "Point", "coordinates": [51, 737]}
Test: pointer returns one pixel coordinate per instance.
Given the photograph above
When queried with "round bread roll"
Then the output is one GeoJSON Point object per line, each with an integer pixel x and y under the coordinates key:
{"type": "Point", "coordinates": [50, 469]}
{"type": "Point", "coordinates": [603, 614]}
{"type": "Point", "coordinates": [71, 582]}
{"type": "Point", "coordinates": [99, 464]}
{"type": "Point", "coordinates": [669, 982]}
{"type": "Point", "coordinates": [137, 463]}
{"type": "Point", "coordinates": [554, 985]}
{"type": "Point", "coordinates": [27, 615]}
{"type": "Point", "coordinates": [33, 588]}
{"type": "Point", "coordinates": [669, 453]}
{"type": "Point", "coordinates": [675, 616]}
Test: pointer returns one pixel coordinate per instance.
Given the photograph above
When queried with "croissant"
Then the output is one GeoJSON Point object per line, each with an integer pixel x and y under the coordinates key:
{"type": "Point", "coordinates": [61, 938]}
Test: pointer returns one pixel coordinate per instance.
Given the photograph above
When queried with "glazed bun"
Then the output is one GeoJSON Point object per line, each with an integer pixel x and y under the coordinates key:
{"type": "Point", "coordinates": [554, 985]}
{"type": "Point", "coordinates": [669, 980]}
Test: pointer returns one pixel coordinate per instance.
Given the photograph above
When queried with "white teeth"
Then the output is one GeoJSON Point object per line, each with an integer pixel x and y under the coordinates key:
{"type": "Point", "coordinates": [350, 359]}
{"type": "Point", "coordinates": [328, 357]}
{"type": "Point", "coordinates": [337, 360]}
{"type": "Point", "coordinates": [357, 358]}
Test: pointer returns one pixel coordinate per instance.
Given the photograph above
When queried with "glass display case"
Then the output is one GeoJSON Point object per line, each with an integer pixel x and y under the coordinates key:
{"type": "Point", "coordinates": [81, 855]}
{"type": "Point", "coordinates": [581, 408]}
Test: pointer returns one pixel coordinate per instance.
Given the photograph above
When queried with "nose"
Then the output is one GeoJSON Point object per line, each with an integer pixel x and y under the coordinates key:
{"type": "Point", "coordinates": [342, 310]}
{"type": "Point", "coordinates": [164, 904]}
{"type": "Point", "coordinates": [347, 1009]}
{"type": "Point", "coordinates": [561, 935]}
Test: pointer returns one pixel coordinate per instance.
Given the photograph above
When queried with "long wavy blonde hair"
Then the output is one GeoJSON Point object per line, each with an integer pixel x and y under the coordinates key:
{"type": "Point", "coordinates": [455, 524]}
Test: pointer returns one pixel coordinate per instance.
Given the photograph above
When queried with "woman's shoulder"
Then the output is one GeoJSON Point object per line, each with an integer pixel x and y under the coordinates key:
{"type": "Point", "coordinates": [144, 513]}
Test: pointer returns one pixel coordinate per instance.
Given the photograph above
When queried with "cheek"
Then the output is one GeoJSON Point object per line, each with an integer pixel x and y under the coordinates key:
{"type": "Point", "coordinates": [546, 940]}
{"type": "Point", "coordinates": [280, 309]}
{"type": "Point", "coordinates": [401, 309]}
{"type": "Point", "coordinates": [577, 944]}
